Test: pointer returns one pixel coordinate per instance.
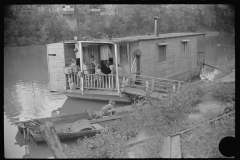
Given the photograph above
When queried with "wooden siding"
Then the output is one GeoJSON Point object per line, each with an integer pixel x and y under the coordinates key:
{"type": "Point", "coordinates": [175, 63]}
{"type": "Point", "coordinates": [69, 53]}
{"type": "Point", "coordinates": [56, 63]}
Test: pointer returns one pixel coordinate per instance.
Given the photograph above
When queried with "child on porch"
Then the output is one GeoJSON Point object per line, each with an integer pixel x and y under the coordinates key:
{"type": "Point", "coordinates": [98, 75]}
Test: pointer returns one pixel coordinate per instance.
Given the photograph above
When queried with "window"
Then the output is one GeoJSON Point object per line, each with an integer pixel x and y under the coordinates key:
{"type": "Point", "coordinates": [123, 54]}
{"type": "Point", "coordinates": [185, 47]}
{"type": "Point", "coordinates": [162, 52]}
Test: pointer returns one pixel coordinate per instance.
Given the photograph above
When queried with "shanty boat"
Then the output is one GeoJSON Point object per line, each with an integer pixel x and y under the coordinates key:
{"type": "Point", "coordinates": [70, 126]}
{"type": "Point", "coordinates": [157, 63]}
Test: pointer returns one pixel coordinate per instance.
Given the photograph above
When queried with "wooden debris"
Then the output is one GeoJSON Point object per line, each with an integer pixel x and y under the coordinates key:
{"type": "Point", "coordinates": [52, 140]}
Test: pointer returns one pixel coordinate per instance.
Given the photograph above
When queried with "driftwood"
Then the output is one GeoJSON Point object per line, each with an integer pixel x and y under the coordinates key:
{"type": "Point", "coordinates": [52, 140]}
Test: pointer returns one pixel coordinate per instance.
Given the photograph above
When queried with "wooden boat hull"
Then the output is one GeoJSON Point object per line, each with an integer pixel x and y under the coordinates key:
{"type": "Point", "coordinates": [55, 119]}
{"type": "Point", "coordinates": [64, 121]}
{"type": "Point", "coordinates": [39, 138]}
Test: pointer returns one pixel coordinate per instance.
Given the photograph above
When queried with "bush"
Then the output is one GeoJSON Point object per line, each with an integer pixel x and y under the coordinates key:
{"type": "Point", "coordinates": [224, 92]}
{"type": "Point", "coordinates": [203, 142]}
{"type": "Point", "coordinates": [104, 145]}
{"type": "Point", "coordinates": [154, 117]}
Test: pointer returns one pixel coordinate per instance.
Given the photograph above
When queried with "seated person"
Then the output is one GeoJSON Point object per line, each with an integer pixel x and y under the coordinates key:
{"type": "Point", "coordinates": [72, 63]}
{"type": "Point", "coordinates": [105, 69]}
{"type": "Point", "coordinates": [108, 109]}
{"type": "Point", "coordinates": [98, 70]}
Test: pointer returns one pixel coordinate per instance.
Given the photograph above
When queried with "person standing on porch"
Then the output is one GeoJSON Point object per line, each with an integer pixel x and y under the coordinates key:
{"type": "Point", "coordinates": [93, 64]}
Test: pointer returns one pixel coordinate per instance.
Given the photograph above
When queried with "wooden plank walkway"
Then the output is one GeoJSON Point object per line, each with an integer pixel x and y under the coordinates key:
{"type": "Point", "coordinates": [171, 147]}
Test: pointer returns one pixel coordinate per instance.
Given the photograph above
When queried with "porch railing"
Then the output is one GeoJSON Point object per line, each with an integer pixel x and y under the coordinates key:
{"type": "Point", "coordinates": [153, 84]}
{"type": "Point", "coordinates": [103, 81]}
{"type": "Point", "coordinates": [92, 81]}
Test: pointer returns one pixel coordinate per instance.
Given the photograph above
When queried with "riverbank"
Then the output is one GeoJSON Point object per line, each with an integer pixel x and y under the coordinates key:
{"type": "Point", "coordinates": [194, 104]}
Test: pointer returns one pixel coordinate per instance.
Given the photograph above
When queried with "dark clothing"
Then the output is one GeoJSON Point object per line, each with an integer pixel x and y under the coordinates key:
{"type": "Point", "coordinates": [78, 62]}
{"type": "Point", "coordinates": [105, 69]}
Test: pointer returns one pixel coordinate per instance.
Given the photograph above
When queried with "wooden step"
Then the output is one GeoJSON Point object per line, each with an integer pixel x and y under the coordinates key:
{"type": "Point", "coordinates": [166, 147]}
{"type": "Point", "coordinates": [171, 147]}
{"type": "Point", "coordinates": [175, 147]}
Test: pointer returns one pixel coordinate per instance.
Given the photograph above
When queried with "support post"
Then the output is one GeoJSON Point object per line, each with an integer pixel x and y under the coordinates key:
{"type": "Point", "coordinates": [81, 64]}
{"type": "Point", "coordinates": [52, 140]}
{"type": "Point", "coordinates": [116, 60]}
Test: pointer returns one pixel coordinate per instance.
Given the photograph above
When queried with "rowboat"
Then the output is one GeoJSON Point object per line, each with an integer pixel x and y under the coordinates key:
{"type": "Point", "coordinates": [70, 126]}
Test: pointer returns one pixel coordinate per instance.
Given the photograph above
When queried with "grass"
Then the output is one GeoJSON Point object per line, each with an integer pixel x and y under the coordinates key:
{"type": "Point", "coordinates": [203, 142]}
{"type": "Point", "coordinates": [153, 117]}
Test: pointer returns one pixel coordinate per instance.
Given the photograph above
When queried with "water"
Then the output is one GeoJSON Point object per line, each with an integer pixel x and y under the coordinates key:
{"type": "Point", "coordinates": [26, 93]}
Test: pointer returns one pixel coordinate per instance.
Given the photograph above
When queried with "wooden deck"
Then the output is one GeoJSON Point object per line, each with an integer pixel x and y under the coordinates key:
{"type": "Point", "coordinates": [140, 92]}
{"type": "Point", "coordinates": [97, 95]}
{"type": "Point", "coordinates": [154, 87]}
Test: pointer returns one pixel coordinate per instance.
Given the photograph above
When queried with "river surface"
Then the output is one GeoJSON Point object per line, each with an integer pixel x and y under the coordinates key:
{"type": "Point", "coordinates": [26, 93]}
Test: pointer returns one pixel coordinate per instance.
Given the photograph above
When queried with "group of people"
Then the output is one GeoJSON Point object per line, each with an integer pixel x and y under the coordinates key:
{"type": "Point", "coordinates": [106, 67]}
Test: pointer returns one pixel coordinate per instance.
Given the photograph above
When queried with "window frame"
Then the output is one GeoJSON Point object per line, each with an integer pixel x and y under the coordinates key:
{"type": "Point", "coordinates": [184, 47]}
{"type": "Point", "coordinates": [165, 51]}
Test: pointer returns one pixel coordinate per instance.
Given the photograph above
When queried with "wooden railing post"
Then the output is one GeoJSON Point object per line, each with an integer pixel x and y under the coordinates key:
{"type": "Point", "coordinates": [147, 85]}
{"type": "Point", "coordinates": [123, 84]}
{"type": "Point", "coordinates": [152, 86]}
{"type": "Point", "coordinates": [174, 87]}
{"type": "Point", "coordinates": [179, 85]}
{"type": "Point", "coordinates": [52, 140]}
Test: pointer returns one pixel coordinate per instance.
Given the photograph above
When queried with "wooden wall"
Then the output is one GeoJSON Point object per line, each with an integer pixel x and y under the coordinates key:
{"type": "Point", "coordinates": [56, 62]}
{"type": "Point", "coordinates": [69, 53]}
{"type": "Point", "coordinates": [175, 63]}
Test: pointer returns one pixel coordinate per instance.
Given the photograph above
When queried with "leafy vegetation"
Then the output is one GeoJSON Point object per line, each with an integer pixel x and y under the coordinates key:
{"type": "Point", "coordinates": [130, 20]}
{"type": "Point", "coordinates": [41, 28]}
{"type": "Point", "coordinates": [203, 142]}
{"type": "Point", "coordinates": [163, 118]}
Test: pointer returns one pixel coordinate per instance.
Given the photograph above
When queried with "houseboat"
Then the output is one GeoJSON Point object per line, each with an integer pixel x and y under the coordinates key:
{"type": "Point", "coordinates": [103, 66]}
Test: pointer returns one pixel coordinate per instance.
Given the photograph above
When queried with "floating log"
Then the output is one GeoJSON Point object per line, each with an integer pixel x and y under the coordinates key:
{"type": "Point", "coordinates": [52, 140]}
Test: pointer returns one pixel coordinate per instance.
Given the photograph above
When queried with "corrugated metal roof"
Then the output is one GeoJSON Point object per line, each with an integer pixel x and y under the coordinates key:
{"type": "Point", "coordinates": [152, 37]}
